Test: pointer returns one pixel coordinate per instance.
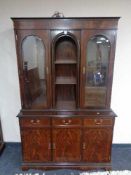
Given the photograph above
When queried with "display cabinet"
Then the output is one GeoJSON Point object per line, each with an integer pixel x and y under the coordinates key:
{"type": "Point", "coordinates": [65, 68]}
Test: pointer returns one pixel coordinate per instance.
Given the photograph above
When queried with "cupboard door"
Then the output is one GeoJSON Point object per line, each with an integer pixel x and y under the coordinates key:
{"type": "Point", "coordinates": [97, 144]}
{"type": "Point", "coordinates": [36, 145]}
{"type": "Point", "coordinates": [66, 144]}
{"type": "Point", "coordinates": [34, 68]}
{"type": "Point", "coordinates": [97, 53]}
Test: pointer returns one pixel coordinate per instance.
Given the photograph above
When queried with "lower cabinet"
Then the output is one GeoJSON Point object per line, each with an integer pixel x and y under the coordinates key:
{"type": "Point", "coordinates": [74, 142]}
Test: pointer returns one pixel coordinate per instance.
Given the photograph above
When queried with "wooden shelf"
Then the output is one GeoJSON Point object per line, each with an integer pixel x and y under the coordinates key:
{"type": "Point", "coordinates": [65, 80]}
{"type": "Point", "coordinates": [65, 62]}
{"type": "Point", "coordinates": [62, 104]}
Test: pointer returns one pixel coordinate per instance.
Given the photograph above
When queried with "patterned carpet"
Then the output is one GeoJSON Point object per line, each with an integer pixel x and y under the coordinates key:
{"type": "Point", "coordinates": [10, 162]}
{"type": "Point", "coordinates": [126, 172]}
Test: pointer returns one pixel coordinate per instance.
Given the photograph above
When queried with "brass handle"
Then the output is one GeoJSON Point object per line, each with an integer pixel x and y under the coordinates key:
{"type": "Point", "coordinates": [27, 81]}
{"type": "Point", "coordinates": [98, 122]}
{"type": "Point", "coordinates": [67, 122]}
{"type": "Point", "coordinates": [47, 70]}
{"type": "Point", "coordinates": [35, 121]}
{"type": "Point", "coordinates": [49, 146]}
{"type": "Point", "coordinates": [84, 70]}
{"type": "Point", "coordinates": [84, 146]}
{"type": "Point", "coordinates": [98, 113]}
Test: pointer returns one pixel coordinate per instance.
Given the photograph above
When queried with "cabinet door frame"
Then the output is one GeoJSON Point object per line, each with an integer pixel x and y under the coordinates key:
{"type": "Point", "coordinates": [86, 147]}
{"type": "Point", "coordinates": [44, 35]}
{"type": "Point", "coordinates": [85, 36]}
{"type": "Point", "coordinates": [54, 147]}
{"type": "Point", "coordinates": [25, 140]}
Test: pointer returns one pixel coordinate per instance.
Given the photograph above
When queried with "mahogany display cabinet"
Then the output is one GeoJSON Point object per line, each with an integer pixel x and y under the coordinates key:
{"type": "Point", "coordinates": [65, 68]}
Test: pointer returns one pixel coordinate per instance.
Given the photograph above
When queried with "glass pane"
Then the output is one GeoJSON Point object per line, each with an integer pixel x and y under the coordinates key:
{"type": "Point", "coordinates": [34, 71]}
{"type": "Point", "coordinates": [98, 50]}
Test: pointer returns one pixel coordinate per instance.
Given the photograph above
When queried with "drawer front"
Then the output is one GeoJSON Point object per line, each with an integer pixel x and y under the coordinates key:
{"type": "Point", "coordinates": [34, 122]}
{"type": "Point", "coordinates": [66, 121]}
{"type": "Point", "coordinates": [98, 121]}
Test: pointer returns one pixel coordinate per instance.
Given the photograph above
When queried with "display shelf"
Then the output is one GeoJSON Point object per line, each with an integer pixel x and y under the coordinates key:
{"type": "Point", "coordinates": [64, 61]}
{"type": "Point", "coordinates": [65, 80]}
{"type": "Point", "coordinates": [62, 104]}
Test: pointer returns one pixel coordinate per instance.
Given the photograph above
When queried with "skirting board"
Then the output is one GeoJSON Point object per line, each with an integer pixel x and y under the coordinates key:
{"type": "Point", "coordinates": [116, 145]}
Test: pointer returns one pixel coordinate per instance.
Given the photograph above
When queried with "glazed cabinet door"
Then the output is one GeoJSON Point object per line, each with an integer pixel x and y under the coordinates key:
{"type": "Point", "coordinates": [33, 51]}
{"type": "Point", "coordinates": [66, 144]}
{"type": "Point", "coordinates": [97, 144]}
{"type": "Point", "coordinates": [36, 144]}
{"type": "Point", "coordinates": [97, 57]}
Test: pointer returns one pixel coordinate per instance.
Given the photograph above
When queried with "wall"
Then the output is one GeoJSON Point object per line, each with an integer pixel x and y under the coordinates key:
{"type": "Point", "coordinates": [9, 88]}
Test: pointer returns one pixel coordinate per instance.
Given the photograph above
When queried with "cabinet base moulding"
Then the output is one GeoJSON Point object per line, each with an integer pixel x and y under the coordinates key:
{"type": "Point", "coordinates": [80, 166]}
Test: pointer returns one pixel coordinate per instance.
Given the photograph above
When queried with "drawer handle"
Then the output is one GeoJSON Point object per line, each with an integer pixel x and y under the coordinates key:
{"type": "Point", "coordinates": [35, 121]}
{"type": "Point", "coordinates": [98, 113]}
{"type": "Point", "coordinates": [66, 122]}
{"type": "Point", "coordinates": [98, 122]}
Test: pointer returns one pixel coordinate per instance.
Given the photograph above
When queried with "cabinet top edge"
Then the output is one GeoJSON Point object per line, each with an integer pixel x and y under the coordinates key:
{"type": "Point", "coordinates": [51, 113]}
{"type": "Point", "coordinates": [66, 23]}
{"type": "Point", "coordinates": [50, 18]}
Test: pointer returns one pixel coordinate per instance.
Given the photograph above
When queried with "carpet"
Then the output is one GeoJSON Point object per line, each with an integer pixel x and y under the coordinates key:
{"type": "Point", "coordinates": [125, 172]}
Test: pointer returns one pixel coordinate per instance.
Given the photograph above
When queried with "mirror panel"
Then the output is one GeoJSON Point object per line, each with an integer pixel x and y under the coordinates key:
{"type": "Point", "coordinates": [33, 52]}
{"type": "Point", "coordinates": [97, 59]}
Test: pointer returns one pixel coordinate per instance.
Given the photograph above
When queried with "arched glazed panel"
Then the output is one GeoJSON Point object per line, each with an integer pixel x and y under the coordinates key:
{"type": "Point", "coordinates": [34, 66]}
{"type": "Point", "coordinates": [97, 61]}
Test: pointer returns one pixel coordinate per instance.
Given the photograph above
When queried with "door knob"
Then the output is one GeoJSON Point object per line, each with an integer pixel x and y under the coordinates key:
{"type": "Point", "coordinates": [84, 146]}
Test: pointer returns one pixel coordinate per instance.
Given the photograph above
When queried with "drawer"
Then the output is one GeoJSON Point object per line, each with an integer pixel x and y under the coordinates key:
{"type": "Point", "coordinates": [34, 122]}
{"type": "Point", "coordinates": [98, 121]}
{"type": "Point", "coordinates": [66, 121]}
